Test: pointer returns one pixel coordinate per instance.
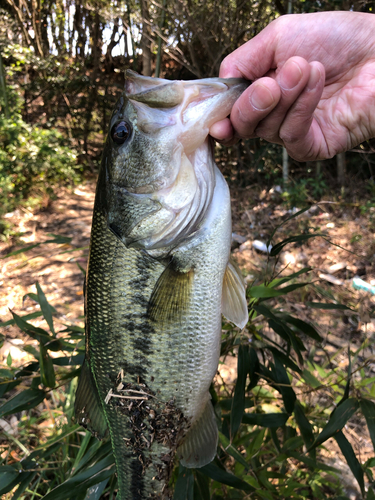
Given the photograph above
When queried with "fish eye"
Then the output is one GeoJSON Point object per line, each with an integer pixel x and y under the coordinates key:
{"type": "Point", "coordinates": [120, 132]}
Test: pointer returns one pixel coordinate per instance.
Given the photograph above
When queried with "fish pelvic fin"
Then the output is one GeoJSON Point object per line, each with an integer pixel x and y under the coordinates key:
{"type": "Point", "coordinates": [170, 298]}
{"type": "Point", "coordinates": [87, 406]}
{"type": "Point", "coordinates": [200, 443]}
{"type": "Point", "coordinates": [233, 302]}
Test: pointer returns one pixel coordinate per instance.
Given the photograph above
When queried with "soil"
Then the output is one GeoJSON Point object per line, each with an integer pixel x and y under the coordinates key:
{"type": "Point", "coordinates": [256, 213]}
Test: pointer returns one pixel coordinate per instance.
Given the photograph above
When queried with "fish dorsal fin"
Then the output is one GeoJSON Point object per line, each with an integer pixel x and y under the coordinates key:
{"type": "Point", "coordinates": [87, 406]}
{"type": "Point", "coordinates": [200, 443]}
{"type": "Point", "coordinates": [170, 298]}
{"type": "Point", "coordinates": [233, 302]}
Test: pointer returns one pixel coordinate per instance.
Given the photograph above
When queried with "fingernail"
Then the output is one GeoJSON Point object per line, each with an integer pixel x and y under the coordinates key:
{"type": "Point", "coordinates": [315, 76]}
{"type": "Point", "coordinates": [290, 75]}
{"type": "Point", "coordinates": [261, 98]}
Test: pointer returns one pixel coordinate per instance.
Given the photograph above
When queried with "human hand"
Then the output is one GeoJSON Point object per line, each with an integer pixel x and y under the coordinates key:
{"type": "Point", "coordinates": [314, 84]}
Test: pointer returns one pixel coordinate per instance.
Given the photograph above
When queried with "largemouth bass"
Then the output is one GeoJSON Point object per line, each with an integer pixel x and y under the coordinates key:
{"type": "Point", "coordinates": [159, 277]}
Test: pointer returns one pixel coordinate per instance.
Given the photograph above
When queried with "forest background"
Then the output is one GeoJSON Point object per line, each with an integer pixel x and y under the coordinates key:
{"type": "Point", "coordinates": [61, 70]}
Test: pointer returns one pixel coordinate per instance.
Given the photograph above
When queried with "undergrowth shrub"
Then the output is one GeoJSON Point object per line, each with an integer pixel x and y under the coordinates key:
{"type": "Point", "coordinates": [274, 420]}
{"type": "Point", "coordinates": [33, 161]}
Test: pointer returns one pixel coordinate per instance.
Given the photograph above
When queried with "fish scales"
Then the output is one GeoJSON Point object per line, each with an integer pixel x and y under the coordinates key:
{"type": "Point", "coordinates": [153, 318]}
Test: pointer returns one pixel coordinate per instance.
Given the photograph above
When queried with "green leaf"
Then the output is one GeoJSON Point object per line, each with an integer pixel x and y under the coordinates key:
{"type": "Point", "coordinates": [304, 427]}
{"type": "Point", "coordinates": [25, 400]}
{"type": "Point", "coordinates": [280, 281]}
{"type": "Point", "coordinates": [337, 420]}
{"type": "Point", "coordinates": [254, 369]}
{"type": "Point", "coordinates": [276, 249]}
{"type": "Point", "coordinates": [45, 307]}
{"type": "Point", "coordinates": [81, 482]}
{"type": "Point", "coordinates": [263, 292]}
{"type": "Point", "coordinates": [310, 379]}
{"type": "Point", "coordinates": [286, 360]}
{"type": "Point", "coordinates": [232, 451]}
{"type": "Point", "coordinates": [265, 419]}
{"type": "Point", "coordinates": [26, 480]}
{"type": "Point", "coordinates": [94, 492]}
{"type": "Point", "coordinates": [33, 315]}
{"type": "Point", "coordinates": [313, 464]}
{"type": "Point", "coordinates": [47, 371]}
{"type": "Point", "coordinates": [60, 437]}
{"type": "Point", "coordinates": [201, 486]}
{"type": "Point", "coordinates": [351, 459]}
{"type": "Point", "coordinates": [282, 384]}
{"type": "Point", "coordinates": [324, 305]}
{"type": "Point", "coordinates": [184, 489]}
{"type": "Point", "coordinates": [33, 331]}
{"type": "Point", "coordinates": [303, 210]}
{"type": "Point", "coordinates": [288, 335]}
{"type": "Point", "coordinates": [368, 410]}
{"type": "Point", "coordinates": [9, 478]}
{"type": "Point", "coordinates": [9, 359]}
{"type": "Point", "coordinates": [303, 327]}
{"type": "Point", "coordinates": [217, 474]}
{"type": "Point", "coordinates": [56, 239]}
{"type": "Point", "coordinates": [238, 403]}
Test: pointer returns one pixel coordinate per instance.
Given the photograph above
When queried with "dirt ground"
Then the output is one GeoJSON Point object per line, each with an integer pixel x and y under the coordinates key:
{"type": "Point", "coordinates": [58, 269]}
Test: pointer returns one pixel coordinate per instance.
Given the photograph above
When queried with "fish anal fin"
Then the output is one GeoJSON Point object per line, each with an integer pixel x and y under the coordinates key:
{"type": "Point", "coordinates": [234, 304]}
{"type": "Point", "coordinates": [87, 406]}
{"type": "Point", "coordinates": [170, 298]}
{"type": "Point", "coordinates": [200, 443]}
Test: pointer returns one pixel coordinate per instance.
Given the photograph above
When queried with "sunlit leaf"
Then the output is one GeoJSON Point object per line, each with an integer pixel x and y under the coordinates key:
{"type": "Point", "coordinates": [47, 371]}
{"type": "Point", "coordinates": [45, 307]}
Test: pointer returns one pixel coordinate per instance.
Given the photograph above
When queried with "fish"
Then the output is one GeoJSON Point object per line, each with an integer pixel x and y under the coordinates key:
{"type": "Point", "coordinates": [159, 279]}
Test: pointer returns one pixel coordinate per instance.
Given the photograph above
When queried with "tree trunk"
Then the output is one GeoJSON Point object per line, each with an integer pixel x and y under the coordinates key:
{"type": "Point", "coordinates": [146, 38]}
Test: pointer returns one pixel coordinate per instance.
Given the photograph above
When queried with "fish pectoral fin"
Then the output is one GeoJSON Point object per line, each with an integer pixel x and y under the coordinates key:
{"type": "Point", "coordinates": [170, 298]}
{"type": "Point", "coordinates": [87, 406]}
{"type": "Point", "coordinates": [200, 443]}
{"type": "Point", "coordinates": [233, 302]}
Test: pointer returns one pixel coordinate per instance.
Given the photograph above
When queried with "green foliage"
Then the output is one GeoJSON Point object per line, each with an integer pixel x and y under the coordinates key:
{"type": "Point", "coordinates": [33, 161]}
{"type": "Point", "coordinates": [272, 422]}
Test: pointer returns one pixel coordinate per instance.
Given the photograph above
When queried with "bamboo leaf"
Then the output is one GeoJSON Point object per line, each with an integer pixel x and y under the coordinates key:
{"type": "Point", "coordinates": [184, 489]}
{"type": "Point", "coordinates": [214, 472]}
{"type": "Point", "coordinates": [265, 419]}
{"type": "Point", "coordinates": [338, 419]}
{"type": "Point", "coordinates": [305, 428]}
{"type": "Point", "coordinates": [232, 451]}
{"type": "Point", "coordinates": [81, 482]}
{"type": "Point", "coordinates": [238, 403]}
{"type": "Point", "coordinates": [285, 389]}
{"type": "Point", "coordinates": [45, 307]}
{"type": "Point", "coordinates": [324, 305]}
{"type": "Point", "coordinates": [25, 400]}
{"type": "Point", "coordinates": [47, 371]}
{"type": "Point", "coordinates": [351, 459]}
{"type": "Point", "coordinates": [368, 410]}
